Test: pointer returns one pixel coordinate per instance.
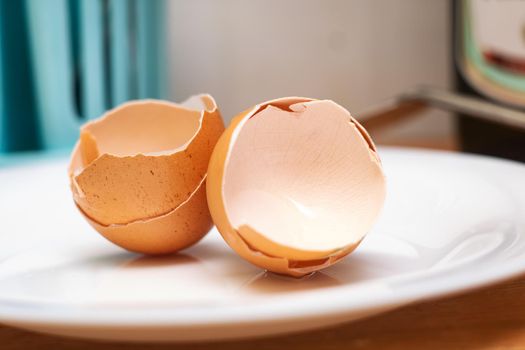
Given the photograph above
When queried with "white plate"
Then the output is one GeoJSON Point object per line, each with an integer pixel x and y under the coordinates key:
{"type": "Point", "coordinates": [451, 222]}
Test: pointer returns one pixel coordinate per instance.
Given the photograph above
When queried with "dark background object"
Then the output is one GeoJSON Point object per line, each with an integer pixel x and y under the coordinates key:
{"type": "Point", "coordinates": [475, 135]}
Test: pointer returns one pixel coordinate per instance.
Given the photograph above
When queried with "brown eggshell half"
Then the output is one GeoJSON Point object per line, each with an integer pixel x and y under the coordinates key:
{"type": "Point", "coordinates": [139, 164]}
{"type": "Point", "coordinates": [294, 185]}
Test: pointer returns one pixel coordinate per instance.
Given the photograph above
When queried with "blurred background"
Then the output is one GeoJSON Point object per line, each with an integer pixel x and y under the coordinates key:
{"type": "Point", "coordinates": [355, 52]}
{"type": "Point", "coordinates": [63, 62]}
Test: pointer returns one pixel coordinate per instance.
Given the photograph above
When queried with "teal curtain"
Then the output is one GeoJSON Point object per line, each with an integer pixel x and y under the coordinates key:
{"type": "Point", "coordinates": [18, 129]}
{"type": "Point", "coordinates": [63, 62]}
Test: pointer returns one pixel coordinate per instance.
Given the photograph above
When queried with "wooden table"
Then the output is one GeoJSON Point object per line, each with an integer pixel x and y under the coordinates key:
{"type": "Point", "coordinates": [491, 318]}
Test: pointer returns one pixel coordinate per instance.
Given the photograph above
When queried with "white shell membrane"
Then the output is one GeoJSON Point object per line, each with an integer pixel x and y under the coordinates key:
{"type": "Point", "coordinates": [305, 177]}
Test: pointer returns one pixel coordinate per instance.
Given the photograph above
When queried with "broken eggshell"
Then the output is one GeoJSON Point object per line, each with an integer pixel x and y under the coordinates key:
{"type": "Point", "coordinates": [294, 184]}
{"type": "Point", "coordinates": [138, 173]}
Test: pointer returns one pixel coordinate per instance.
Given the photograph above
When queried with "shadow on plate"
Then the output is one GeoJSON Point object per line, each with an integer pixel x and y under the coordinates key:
{"type": "Point", "coordinates": [269, 283]}
{"type": "Point", "coordinates": [145, 261]}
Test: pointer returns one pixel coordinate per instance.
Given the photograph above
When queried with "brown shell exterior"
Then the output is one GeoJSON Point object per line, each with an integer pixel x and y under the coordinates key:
{"type": "Point", "coordinates": [179, 229]}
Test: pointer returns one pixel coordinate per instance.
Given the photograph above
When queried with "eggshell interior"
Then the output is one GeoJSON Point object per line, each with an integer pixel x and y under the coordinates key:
{"type": "Point", "coordinates": [300, 183]}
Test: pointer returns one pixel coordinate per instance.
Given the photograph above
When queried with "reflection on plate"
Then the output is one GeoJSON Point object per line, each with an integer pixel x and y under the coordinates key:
{"type": "Point", "coordinates": [450, 223]}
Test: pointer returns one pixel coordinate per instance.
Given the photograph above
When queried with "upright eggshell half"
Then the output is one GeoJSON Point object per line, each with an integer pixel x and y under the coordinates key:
{"type": "Point", "coordinates": [294, 184]}
{"type": "Point", "coordinates": [138, 173]}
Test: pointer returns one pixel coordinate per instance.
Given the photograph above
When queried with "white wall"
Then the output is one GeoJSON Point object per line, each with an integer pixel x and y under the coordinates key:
{"type": "Point", "coordinates": [355, 52]}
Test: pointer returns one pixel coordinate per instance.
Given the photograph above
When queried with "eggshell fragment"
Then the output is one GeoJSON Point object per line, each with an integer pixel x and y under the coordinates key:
{"type": "Point", "coordinates": [176, 230]}
{"type": "Point", "coordinates": [139, 167]}
{"type": "Point", "coordinates": [294, 185]}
